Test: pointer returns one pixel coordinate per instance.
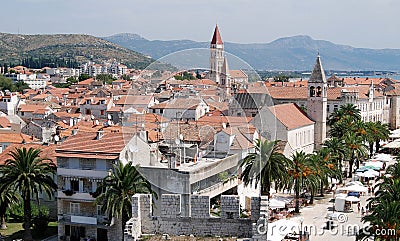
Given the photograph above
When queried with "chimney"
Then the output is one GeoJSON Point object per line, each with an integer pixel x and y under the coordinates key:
{"type": "Point", "coordinates": [100, 134]}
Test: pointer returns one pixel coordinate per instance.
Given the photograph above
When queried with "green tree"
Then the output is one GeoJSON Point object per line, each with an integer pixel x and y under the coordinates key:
{"type": "Point", "coordinates": [266, 165]}
{"type": "Point", "coordinates": [21, 86]}
{"type": "Point", "coordinates": [106, 78]}
{"type": "Point", "coordinates": [337, 149]}
{"type": "Point", "coordinates": [301, 167]}
{"type": "Point", "coordinates": [347, 111]}
{"type": "Point", "coordinates": [376, 132]}
{"type": "Point", "coordinates": [30, 175]}
{"type": "Point", "coordinates": [84, 77]}
{"type": "Point", "coordinates": [6, 84]}
{"type": "Point", "coordinates": [116, 191]}
{"type": "Point", "coordinates": [8, 197]}
{"type": "Point", "coordinates": [356, 150]}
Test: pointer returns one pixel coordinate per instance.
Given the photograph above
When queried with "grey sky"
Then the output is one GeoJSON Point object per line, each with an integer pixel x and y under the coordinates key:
{"type": "Point", "coordinates": [360, 23]}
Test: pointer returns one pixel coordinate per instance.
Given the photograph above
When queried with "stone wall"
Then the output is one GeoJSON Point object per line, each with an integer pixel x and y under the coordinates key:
{"type": "Point", "coordinates": [199, 223]}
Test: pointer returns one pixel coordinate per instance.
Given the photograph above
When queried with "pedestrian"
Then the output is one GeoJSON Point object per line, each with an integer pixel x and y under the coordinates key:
{"type": "Point", "coordinates": [369, 190]}
{"type": "Point", "coordinates": [366, 210]}
{"type": "Point", "coordinates": [359, 207]}
{"type": "Point", "coordinates": [362, 211]}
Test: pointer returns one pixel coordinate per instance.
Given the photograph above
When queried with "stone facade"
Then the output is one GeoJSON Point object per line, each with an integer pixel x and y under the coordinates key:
{"type": "Point", "coordinates": [199, 223]}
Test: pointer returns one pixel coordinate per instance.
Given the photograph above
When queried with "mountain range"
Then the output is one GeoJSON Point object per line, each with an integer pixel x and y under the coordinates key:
{"type": "Point", "coordinates": [288, 53]}
{"type": "Point", "coordinates": [76, 48]}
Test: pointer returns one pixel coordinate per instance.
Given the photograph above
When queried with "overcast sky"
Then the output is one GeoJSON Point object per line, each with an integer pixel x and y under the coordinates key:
{"type": "Point", "coordinates": [359, 23]}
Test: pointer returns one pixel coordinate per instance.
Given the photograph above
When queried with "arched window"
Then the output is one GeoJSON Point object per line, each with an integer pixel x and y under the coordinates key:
{"type": "Point", "coordinates": [319, 91]}
{"type": "Point", "coordinates": [312, 91]}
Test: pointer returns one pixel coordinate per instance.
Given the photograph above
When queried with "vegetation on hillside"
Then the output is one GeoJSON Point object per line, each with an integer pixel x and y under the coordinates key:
{"type": "Point", "coordinates": [64, 50]}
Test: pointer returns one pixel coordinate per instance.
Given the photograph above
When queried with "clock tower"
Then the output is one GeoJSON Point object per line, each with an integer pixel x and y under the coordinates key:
{"type": "Point", "coordinates": [216, 56]}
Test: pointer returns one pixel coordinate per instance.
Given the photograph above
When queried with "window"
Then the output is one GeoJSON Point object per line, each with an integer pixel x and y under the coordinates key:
{"type": "Point", "coordinates": [75, 208]}
{"type": "Point", "coordinates": [67, 230]}
{"type": "Point", "coordinates": [319, 91]}
{"type": "Point", "coordinates": [88, 102]}
{"type": "Point", "coordinates": [75, 185]}
{"type": "Point", "coordinates": [88, 112]}
{"type": "Point", "coordinates": [101, 112]}
{"type": "Point", "coordinates": [312, 91]}
{"type": "Point", "coordinates": [99, 212]}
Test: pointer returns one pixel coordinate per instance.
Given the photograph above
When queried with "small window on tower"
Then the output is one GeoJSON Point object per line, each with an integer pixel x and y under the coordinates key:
{"type": "Point", "coordinates": [319, 91]}
{"type": "Point", "coordinates": [312, 91]}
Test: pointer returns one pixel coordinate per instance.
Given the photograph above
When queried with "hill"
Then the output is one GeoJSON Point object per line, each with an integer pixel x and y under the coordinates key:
{"type": "Point", "coordinates": [289, 53]}
{"type": "Point", "coordinates": [74, 48]}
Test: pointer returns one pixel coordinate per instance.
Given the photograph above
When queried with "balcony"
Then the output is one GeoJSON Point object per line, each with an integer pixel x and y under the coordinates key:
{"type": "Point", "coordinates": [83, 219]}
{"type": "Point", "coordinates": [81, 173]}
{"type": "Point", "coordinates": [84, 196]}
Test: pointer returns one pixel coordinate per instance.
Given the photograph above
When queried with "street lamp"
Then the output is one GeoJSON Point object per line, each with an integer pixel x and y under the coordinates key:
{"type": "Point", "coordinates": [301, 227]}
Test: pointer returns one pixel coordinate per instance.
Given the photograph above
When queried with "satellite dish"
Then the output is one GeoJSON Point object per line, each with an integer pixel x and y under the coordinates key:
{"type": "Point", "coordinates": [109, 116]}
{"type": "Point", "coordinates": [56, 138]}
{"type": "Point", "coordinates": [177, 141]}
{"type": "Point", "coordinates": [181, 137]}
{"type": "Point", "coordinates": [92, 117]}
{"type": "Point", "coordinates": [97, 122]}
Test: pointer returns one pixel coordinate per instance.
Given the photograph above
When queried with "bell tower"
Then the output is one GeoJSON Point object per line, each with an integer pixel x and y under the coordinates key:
{"type": "Point", "coordinates": [317, 102]}
{"type": "Point", "coordinates": [216, 56]}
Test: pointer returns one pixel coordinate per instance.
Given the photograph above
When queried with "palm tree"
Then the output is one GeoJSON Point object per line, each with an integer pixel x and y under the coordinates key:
{"type": "Point", "coordinates": [337, 149]}
{"type": "Point", "coordinates": [29, 175]}
{"type": "Point", "coordinates": [385, 206]}
{"type": "Point", "coordinates": [376, 132]}
{"type": "Point", "coordinates": [8, 197]}
{"type": "Point", "coordinates": [394, 170]}
{"type": "Point", "coordinates": [347, 111]}
{"type": "Point", "coordinates": [356, 150]}
{"type": "Point", "coordinates": [300, 168]}
{"type": "Point", "coordinates": [266, 164]}
{"type": "Point", "coordinates": [116, 191]}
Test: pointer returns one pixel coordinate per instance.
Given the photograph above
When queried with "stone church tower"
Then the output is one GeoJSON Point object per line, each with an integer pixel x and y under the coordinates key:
{"type": "Point", "coordinates": [317, 102]}
{"type": "Point", "coordinates": [216, 56]}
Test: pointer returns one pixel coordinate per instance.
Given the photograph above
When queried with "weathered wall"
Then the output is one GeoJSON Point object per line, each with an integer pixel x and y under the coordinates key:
{"type": "Point", "coordinates": [199, 223]}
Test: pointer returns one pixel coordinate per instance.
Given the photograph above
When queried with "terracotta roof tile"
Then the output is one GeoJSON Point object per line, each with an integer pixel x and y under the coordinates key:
{"type": "Point", "coordinates": [290, 115]}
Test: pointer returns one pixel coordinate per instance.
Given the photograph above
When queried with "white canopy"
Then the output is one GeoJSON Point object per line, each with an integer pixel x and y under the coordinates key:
{"type": "Point", "coordinates": [383, 157]}
{"type": "Point", "coordinates": [355, 188]}
{"type": "Point", "coordinates": [354, 183]}
{"type": "Point", "coordinates": [377, 164]}
{"type": "Point", "coordinates": [274, 204]}
{"type": "Point", "coordinates": [352, 199]}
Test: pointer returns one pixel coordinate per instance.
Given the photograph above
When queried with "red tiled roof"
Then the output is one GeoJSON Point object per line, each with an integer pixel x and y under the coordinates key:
{"type": "Point", "coordinates": [15, 138]}
{"type": "Point", "coordinates": [4, 122]}
{"type": "Point", "coordinates": [290, 115]}
{"type": "Point", "coordinates": [216, 37]}
{"type": "Point", "coordinates": [48, 152]}
{"type": "Point", "coordinates": [86, 143]}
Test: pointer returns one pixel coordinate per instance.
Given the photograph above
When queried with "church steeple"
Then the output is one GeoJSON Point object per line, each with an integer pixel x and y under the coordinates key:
{"type": "Point", "coordinates": [216, 56]}
{"type": "Point", "coordinates": [318, 74]}
{"type": "Point", "coordinates": [216, 37]}
{"type": "Point", "coordinates": [317, 102]}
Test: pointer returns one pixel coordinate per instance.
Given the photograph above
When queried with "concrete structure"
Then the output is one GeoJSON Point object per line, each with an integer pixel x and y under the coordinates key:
{"type": "Point", "coordinates": [317, 102]}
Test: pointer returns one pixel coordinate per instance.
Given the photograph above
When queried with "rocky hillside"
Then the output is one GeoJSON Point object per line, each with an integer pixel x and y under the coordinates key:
{"type": "Point", "coordinates": [14, 48]}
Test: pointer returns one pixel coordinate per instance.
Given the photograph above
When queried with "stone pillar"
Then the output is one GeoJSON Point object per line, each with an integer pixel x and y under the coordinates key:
{"type": "Point", "coordinates": [230, 206]}
{"type": "Point", "coordinates": [200, 206]}
{"type": "Point", "coordinates": [170, 205]}
{"type": "Point", "coordinates": [255, 208]}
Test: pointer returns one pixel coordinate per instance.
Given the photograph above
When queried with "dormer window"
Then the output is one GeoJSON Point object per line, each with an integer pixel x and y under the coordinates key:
{"type": "Point", "coordinates": [88, 102]}
{"type": "Point", "coordinates": [102, 102]}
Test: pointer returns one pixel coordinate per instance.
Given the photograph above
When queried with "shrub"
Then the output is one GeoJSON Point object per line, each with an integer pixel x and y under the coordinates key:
{"type": "Point", "coordinates": [17, 211]}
